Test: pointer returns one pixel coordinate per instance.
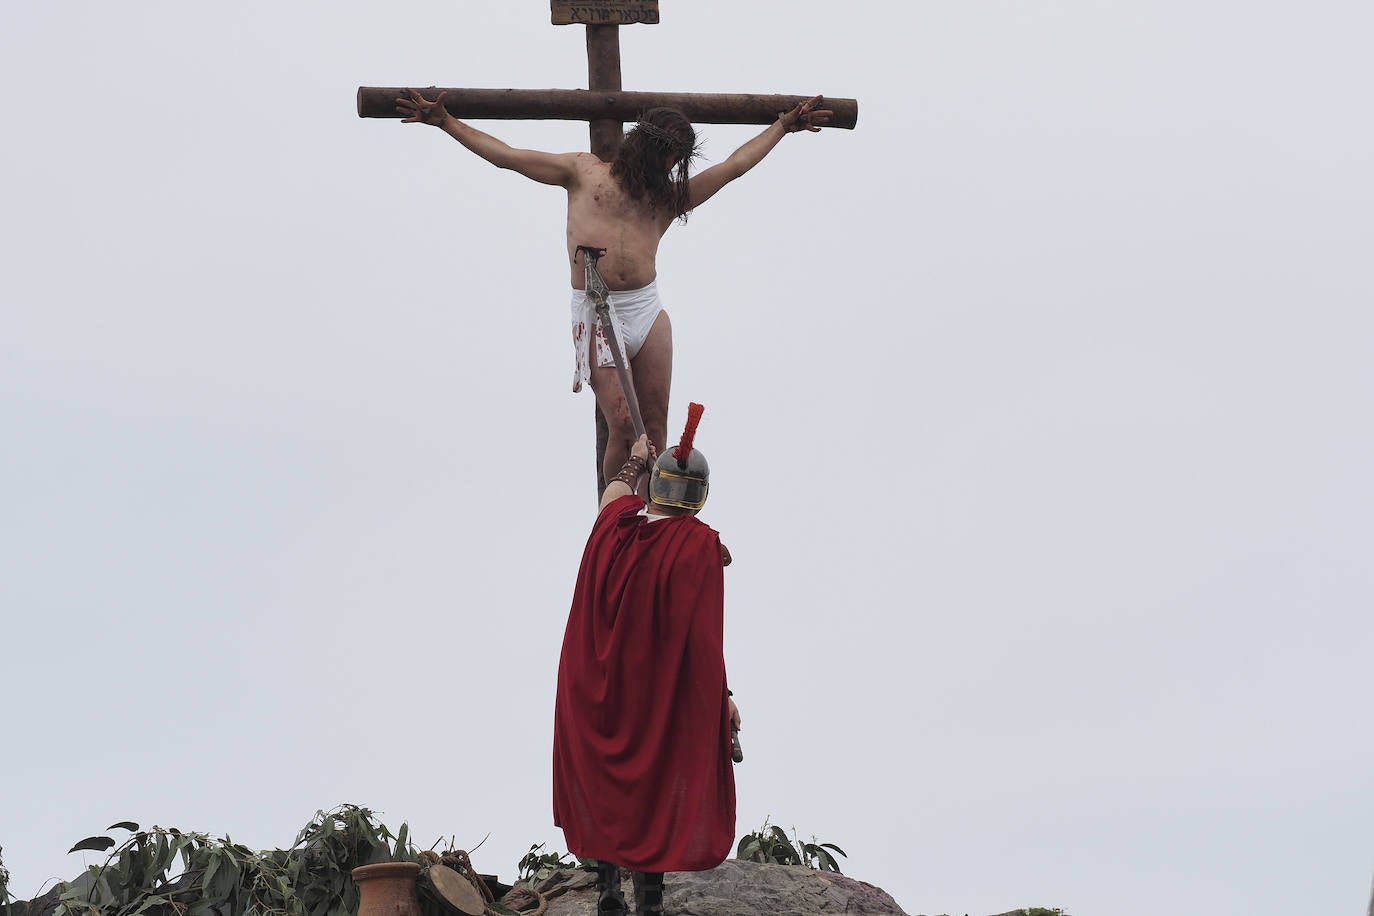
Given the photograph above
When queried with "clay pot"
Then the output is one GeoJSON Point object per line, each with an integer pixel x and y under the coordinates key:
{"type": "Point", "coordinates": [387, 889]}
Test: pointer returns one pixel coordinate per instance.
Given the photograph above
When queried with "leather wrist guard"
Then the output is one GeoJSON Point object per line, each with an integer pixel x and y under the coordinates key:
{"type": "Point", "coordinates": [630, 472]}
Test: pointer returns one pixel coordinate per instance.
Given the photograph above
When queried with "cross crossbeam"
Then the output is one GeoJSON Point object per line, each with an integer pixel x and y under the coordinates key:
{"type": "Point", "coordinates": [591, 105]}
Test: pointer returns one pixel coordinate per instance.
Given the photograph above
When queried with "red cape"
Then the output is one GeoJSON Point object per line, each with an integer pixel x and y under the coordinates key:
{"type": "Point", "coordinates": [641, 733]}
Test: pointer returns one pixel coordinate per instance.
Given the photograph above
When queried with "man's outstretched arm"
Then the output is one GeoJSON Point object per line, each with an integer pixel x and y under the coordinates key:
{"type": "Point", "coordinates": [703, 186]}
{"type": "Point", "coordinates": [546, 168]}
{"type": "Point", "coordinates": [627, 481]}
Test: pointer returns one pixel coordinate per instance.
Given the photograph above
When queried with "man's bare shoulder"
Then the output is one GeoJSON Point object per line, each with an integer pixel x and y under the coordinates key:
{"type": "Point", "coordinates": [586, 167]}
{"type": "Point", "coordinates": [589, 162]}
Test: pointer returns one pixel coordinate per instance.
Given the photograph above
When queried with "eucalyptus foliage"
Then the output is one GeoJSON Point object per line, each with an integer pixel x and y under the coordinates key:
{"type": "Point", "coordinates": [536, 865]}
{"type": "Point", "coordinates": [770, 843]}
{"type": "Point", "coordinates": [169, 872]}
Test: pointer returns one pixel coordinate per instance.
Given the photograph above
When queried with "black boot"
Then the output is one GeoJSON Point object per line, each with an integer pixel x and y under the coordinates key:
{"type": "Point", "coordinates": [648, 893]}
{"type": "Point", "coordinates": [610, 901]}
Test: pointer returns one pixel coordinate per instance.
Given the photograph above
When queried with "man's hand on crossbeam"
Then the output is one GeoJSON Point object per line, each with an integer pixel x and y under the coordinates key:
{"type": "Point", "coordinates": [420, 110]}
{"type": "Point", "coordinates": [805, 116]}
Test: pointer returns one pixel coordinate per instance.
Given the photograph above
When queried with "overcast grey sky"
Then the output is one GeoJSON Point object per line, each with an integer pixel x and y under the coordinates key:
{"type": "Point", "coordinates": [1038, 408]}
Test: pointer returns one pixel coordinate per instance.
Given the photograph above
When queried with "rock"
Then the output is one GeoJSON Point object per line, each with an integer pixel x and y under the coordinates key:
{"type": "Point", "coordinates": [39, 906]}
{"type": "Point", "coordinates": [738, 888]}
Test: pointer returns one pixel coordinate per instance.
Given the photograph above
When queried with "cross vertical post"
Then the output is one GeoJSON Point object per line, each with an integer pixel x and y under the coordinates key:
{"type": "Point", "coordinates": [603, 75]}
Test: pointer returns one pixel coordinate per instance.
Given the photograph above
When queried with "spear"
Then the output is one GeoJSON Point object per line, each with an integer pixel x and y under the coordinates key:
{"type": "Point", "coordinates": [596, 289]}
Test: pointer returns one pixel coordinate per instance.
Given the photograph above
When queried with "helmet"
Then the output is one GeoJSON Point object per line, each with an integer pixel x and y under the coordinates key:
{"type": "Point", "coordinates": [672, 484]}
{"type": "Point", "coordinates": [679, 476]}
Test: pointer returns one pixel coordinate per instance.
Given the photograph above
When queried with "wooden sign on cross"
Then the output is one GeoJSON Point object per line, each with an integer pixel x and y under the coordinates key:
{"type": "Point", "coordinates": [604, 12]}
{"type": "Point", "coordinates": [603, 104]}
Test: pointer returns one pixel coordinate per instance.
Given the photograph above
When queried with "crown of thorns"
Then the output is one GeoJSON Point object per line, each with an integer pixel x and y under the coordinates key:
{"type": "Point", "coordinates": [674, 143]}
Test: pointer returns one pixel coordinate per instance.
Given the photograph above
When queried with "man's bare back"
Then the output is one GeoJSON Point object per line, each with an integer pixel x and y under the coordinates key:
{"type": "Point", "coordinates": [604, 213]}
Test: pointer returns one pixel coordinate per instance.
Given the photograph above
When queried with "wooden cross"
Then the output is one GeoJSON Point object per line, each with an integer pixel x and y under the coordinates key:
{"type": "Point", "coordinates": [603, 104]}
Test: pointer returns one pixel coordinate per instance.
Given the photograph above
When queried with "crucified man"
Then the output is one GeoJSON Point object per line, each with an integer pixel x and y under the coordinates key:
{"type": "Point", "coordinates": [624, 207]}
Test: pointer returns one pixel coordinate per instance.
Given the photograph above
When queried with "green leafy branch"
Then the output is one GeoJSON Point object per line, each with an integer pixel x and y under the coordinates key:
{"type": "Point", "coordinates": [770, 843]}
{"type": "Point", "coordinates": [169, 872]}
{"type": "Point", "coordinates": [535, 867]}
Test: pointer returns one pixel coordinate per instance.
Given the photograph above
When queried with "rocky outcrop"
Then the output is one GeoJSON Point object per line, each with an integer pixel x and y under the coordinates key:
{"type": "Point", "coordinates": [39, 906]}
{"type": "Point", "coordinates": [736, 888]}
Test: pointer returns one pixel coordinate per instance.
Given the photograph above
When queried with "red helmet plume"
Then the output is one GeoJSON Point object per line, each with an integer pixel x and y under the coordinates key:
{"type": "Point", "coordinates": [683, 450]}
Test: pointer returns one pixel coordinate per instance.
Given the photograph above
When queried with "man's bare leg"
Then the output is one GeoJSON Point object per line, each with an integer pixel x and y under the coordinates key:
{"type": "Point", "coordinates": [652, 370]}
